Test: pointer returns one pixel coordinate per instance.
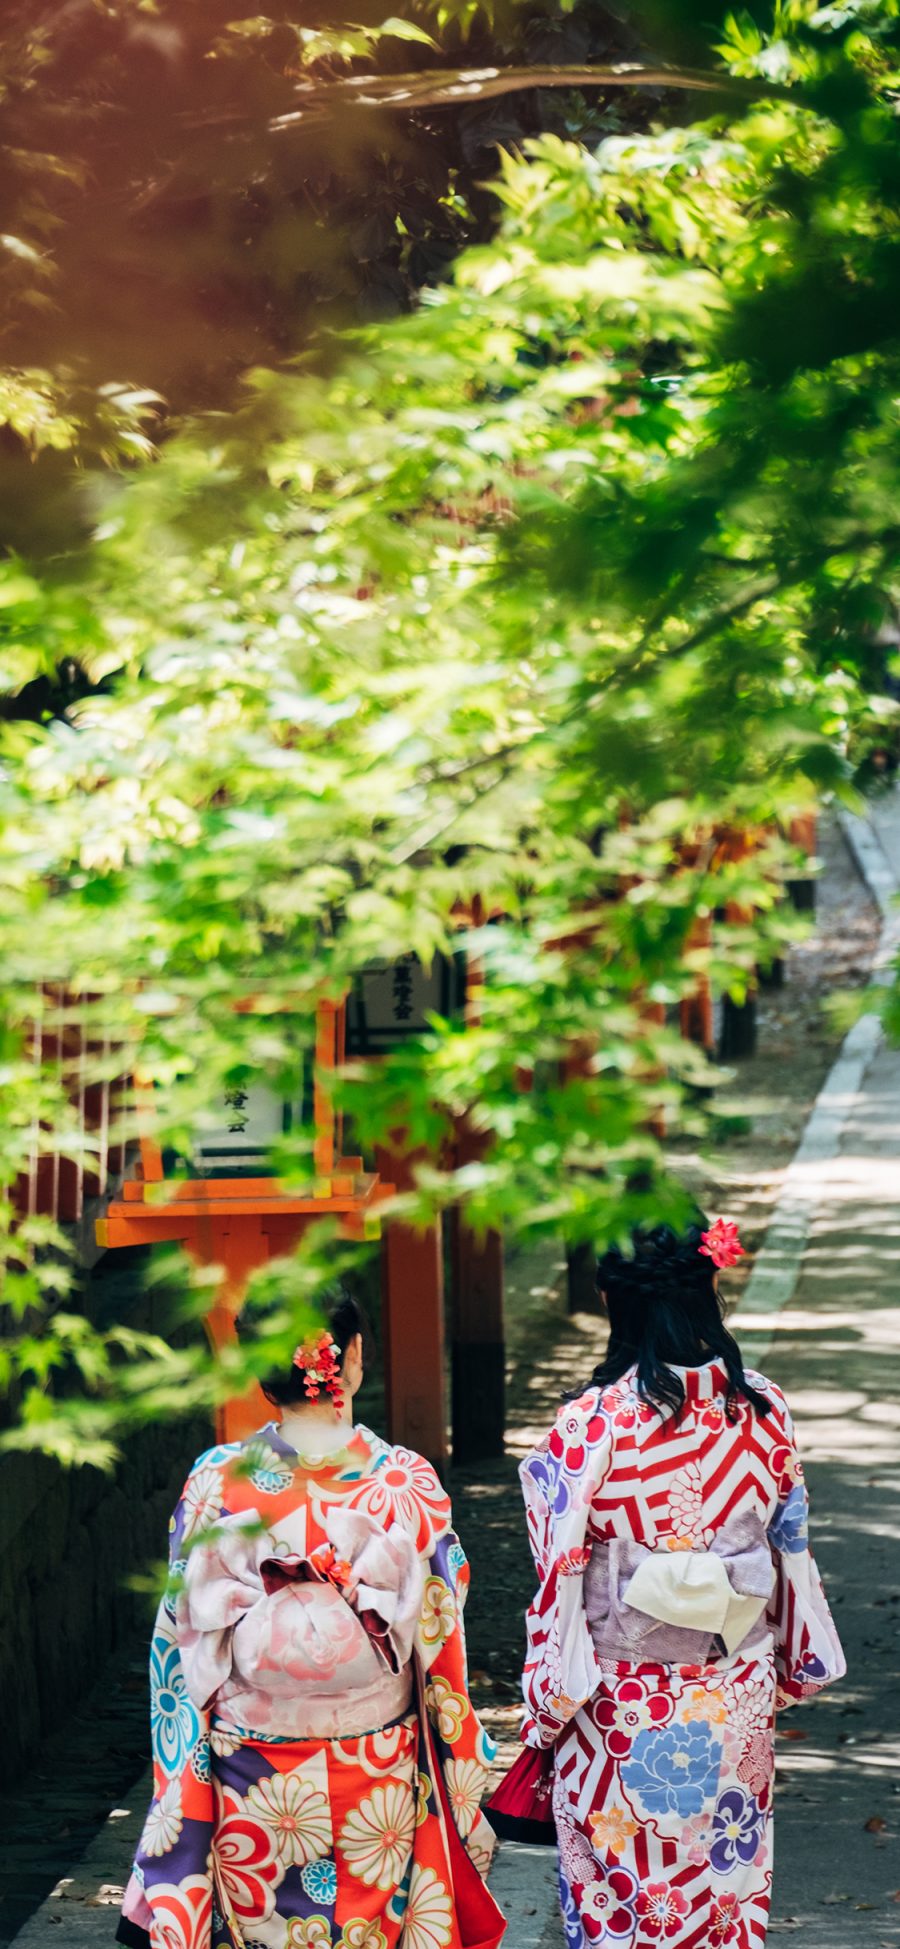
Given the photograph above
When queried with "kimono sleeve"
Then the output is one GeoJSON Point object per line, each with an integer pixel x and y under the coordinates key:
{"type": "Point", "coordinates": [465, 1752]}
{"type": "Point", "coordinates": [808, 1654]}
{"type": "Point", "coordinates": [170, 1878]}
{"type": "Point", "coordinates": [558, 1483]}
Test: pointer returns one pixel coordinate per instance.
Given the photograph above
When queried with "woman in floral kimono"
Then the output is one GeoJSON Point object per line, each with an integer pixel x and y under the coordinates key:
{"type": "Point", "coordinates": [318, 1766]}
{"type": "Point", "coordinates": [678, 1607]}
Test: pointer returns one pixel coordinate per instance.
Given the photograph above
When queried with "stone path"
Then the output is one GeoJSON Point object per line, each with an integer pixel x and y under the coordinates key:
{"type": "Point", "coordinates": [836, 1351]}
{"type": "Point", "coordinates": [835, 1348]}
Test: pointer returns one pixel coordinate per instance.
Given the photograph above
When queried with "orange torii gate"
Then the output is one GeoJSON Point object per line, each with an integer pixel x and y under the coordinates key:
{"type": "Point", "coordinates": [238, 1223]}
{"type": "Point", "coordinates": [118, 1195]}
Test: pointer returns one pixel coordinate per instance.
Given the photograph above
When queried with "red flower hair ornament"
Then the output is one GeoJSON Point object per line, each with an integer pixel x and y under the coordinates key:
{"type": "Point", "coordinates": [721, 1244]}
{"type": "Point", "coordinates": [319, 1362]}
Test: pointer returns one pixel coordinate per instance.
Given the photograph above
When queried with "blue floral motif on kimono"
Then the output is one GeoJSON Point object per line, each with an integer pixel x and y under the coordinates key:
{"type": "Point", "coordinates": [550, 1477]}
{"type": "Point", "coordinates": [809, 1669]}
{"type": "Point", "coordinates": [456, 1561]}
{"type": "Point", "coordinates": [487, 1748]}
{"type": "Point", "coordinates": [319, 1879]}
{"type": "Point", "coordinates": [737, 1830]}
{"type": "Point", "coordinates": [174, 1723]}
{"type": "Point", "coordinates": [223, 1451]}
{"type": "Point", "coordinates": [790, 1529]}
{"type": "Point", "coordinates": [448, 1562]}
{"type": "Point", "coordinates": [269, 1472]}
{"type": "Point", "coordinates": [674, 1770]}
{"type": "Point", "coordinates": [570, 1915]}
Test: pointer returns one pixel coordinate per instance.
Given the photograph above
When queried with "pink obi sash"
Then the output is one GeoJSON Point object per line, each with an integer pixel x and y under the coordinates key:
{"type": "Point", "coordinates": [680, 1607]}
{"type": "Point", "coordinates": [314, 1647]}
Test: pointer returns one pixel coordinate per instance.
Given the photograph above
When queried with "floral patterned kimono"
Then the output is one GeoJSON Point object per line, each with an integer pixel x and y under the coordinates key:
{"type": "Point", "coordinates": [678, 1607]}
{"type": "Point", "coordinates": [318, 1766]}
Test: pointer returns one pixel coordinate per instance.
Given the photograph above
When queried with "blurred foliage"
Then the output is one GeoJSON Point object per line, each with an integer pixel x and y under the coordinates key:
{"type": "Point", "coordinates": [494, 622]}
{"type": "Point", "coordinates": [178, 203]}
{"type": "Point", "coordinates": [187, 191]}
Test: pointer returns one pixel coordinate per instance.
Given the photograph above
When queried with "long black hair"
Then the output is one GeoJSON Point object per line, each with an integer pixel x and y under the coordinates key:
{"type": "Point", "coordinates": [344, 1319]}
{"type": "Point", "coordinates": [663, 1307]}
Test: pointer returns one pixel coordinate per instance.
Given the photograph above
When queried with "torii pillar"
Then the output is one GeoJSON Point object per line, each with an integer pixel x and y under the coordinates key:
{"type": "Point", "coordinates": [412, 1317]}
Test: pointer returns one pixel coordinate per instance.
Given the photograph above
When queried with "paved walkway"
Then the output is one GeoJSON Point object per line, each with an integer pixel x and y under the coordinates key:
{"type": "Point", "coordinates": [835, 1348]}
{"type": "Point", "coordinates": [836, 1351]}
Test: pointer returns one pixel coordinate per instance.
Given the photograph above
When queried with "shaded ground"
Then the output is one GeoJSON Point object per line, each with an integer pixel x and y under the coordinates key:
{"type": "Point", "coordinates": [85, 1770]}
{"type": "Point", "coordinates": [836, 1352]}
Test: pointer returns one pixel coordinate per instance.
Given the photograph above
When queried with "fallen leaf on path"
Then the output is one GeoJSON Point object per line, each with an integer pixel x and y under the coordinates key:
{"type": "Point", "coordinates": [793, 1732]}
{"type": "Point", "coordinates": [876, 1825]}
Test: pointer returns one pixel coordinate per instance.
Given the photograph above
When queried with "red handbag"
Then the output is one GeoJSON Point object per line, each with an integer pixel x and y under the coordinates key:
{"type": "Point", "coordinates": [521, 1809]}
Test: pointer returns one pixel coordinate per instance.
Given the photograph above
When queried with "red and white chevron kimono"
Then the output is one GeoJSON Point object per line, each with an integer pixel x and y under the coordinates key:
{"type": "Point", "coordinates": [661, 1713]}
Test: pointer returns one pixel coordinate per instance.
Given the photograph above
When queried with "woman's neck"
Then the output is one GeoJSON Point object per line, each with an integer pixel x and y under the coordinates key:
{"type": "Point", "coordinates": [316, 1430]}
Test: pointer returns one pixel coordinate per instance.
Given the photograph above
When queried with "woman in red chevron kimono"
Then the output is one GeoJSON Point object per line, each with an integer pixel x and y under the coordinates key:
{"type": "Point", "coordinates": [679, 1608]}
{"type": "Point", "coordinates": [318, 1766]}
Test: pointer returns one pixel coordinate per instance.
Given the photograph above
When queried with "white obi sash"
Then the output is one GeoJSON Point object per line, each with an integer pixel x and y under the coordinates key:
{"type": "Point", "coordinates": [690, 1590]}
{"type": "Point", "coordinates": [676, 1606]}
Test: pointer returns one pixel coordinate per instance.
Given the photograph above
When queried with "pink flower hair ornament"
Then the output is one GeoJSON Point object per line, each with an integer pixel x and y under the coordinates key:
{"type": "Point", "coordinates": [319, 1362]}
{"type": "Point", "coordinates": [722, 1244]}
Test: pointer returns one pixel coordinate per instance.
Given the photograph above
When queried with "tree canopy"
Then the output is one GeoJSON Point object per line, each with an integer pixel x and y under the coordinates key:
{"type": "Point", "coordinates": [486, 623]}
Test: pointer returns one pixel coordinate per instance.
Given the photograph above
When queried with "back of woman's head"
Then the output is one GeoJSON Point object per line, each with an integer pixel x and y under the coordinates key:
{"type": "Point", "coordinates": [665, 1312]}
{"type": "Point", "coordinates": [344, 1319]}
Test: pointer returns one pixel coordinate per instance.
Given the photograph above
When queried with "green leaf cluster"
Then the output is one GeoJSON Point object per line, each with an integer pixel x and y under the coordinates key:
{"type": "Point", "coordinates": [489, 629]}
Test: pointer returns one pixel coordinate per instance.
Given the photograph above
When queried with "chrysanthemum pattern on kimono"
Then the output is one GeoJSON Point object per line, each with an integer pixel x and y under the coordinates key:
{"type": "Point", "coordinates": [665, 1761]}
{"type": "Point", "coordinates": [313, 1738]}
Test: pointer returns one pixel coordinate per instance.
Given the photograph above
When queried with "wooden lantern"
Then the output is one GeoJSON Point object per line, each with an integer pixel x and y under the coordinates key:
{"type": "Point", "coordinates": [238, 1222]}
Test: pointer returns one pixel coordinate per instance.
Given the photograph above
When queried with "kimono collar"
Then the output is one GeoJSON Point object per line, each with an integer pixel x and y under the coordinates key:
{"type": "Point", "coordinates": [354, 1455]}
{"type": "Point", "coordinates": [702, 1383]}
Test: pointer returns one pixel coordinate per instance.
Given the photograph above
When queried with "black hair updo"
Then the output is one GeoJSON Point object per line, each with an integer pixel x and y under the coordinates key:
{"type": "Point", "coordinates": [664, 1311]}
{"type": "Point", "coordinates": [343, 1319]}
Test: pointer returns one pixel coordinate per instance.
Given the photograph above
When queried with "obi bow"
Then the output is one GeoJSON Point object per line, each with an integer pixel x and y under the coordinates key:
{"type": "Point", "coordinates": [631, 1591]}
{"type": "Point", "coordinates": [276, 1620]}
